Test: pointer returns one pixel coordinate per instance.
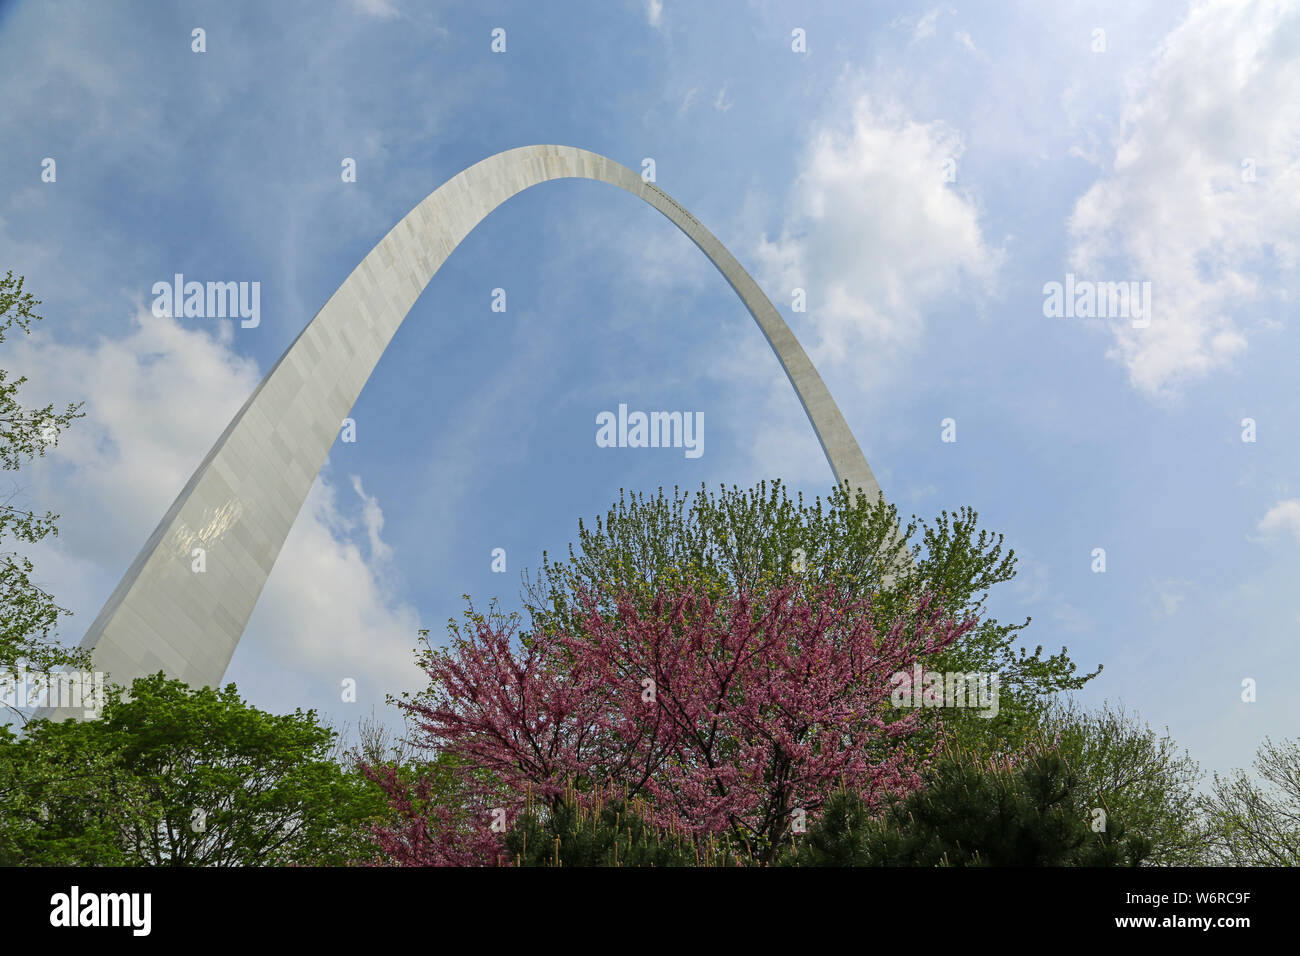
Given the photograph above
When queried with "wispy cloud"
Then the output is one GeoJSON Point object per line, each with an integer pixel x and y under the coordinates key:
{"type": "Point", "coordinates": [720, 102]}
{"type": "Point", "coordinates": [383, 9]}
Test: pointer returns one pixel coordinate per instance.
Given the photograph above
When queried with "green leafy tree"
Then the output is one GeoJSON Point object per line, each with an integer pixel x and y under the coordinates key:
{"type": "Point", "coordinates": [974, 811]}
{"type": "Point", "coordinates": [755, 538]}
{"type": "Point", "coordinates": [1136, 775]}
{"type": "Point", "coordinates": [55, 800]}
{"type": "Point", "coordinates": [28, 614]}
{"type": "Point", "coordinates": [1257, 823]}
{"type": "Point", "coordinates": [178, 776]}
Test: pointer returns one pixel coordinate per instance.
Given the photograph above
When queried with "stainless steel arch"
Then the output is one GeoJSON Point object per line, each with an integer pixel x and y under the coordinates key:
{"type": "Point", "coordinates": [242, 500]}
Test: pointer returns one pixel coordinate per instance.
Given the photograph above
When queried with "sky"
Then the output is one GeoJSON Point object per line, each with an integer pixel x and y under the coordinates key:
{"type": "Point", "coordinates": [924, 172]}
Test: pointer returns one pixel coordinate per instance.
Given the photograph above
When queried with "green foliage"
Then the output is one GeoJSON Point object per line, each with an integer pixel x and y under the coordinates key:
{"type": "Point", "coordinates": [975, 812]}
{"type": "Point", "coordinates": [758, 537]}
{"type": "Point", "coordinates": [55, 796]}
{"type": "Point", "coordinates": [1136, 775]}
{"type": "Point", "coordinates": [181, 777]}
{"type": "Point", "coordinates": [610, 833]}
{"type": "Point", "coordinates": [838, 837]}
{"type": "Point", "coordinates": [27, 613]}
{"type": "Point", "coordinates": [1257, 823]}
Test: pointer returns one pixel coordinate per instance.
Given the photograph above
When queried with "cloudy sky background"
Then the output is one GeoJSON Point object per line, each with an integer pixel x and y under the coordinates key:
{"type": "Point", "coordinates": [822, 170]}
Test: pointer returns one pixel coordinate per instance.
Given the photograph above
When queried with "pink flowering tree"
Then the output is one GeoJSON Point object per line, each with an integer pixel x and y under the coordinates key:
{"type": "Point", "coordinates": [734, 718]}
{"type": "Point", "coordinates": [428, 832]}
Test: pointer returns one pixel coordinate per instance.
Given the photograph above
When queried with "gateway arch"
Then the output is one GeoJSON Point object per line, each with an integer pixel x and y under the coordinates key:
{"type": "Point", "coordinates": [245, 495]}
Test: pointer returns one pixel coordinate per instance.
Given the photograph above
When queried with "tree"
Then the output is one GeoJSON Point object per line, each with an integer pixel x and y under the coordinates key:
{"type": "Point", "coordinates": [973, 811]}
{"type": "Point", "coordinates": [727, 717]}
{"type": "Point", "coordinates": [432, 817]}
{"type": "Point", "coordinates": [52, 802]}
{"type": "Point", "coordinates": [752, 540]}
{"type": "Point", "coordinates": [1254, 825]}
{"type": "Point", "coordinates": [837, 837]}
{"type": "Point", "coordinates": [604, 833]}
{"type": "Point", "coordinates": [178, 776]}
{"type": "Point", "coordinates": [1136, 775]}
{"type": "Point", "coordinates": [27, 612]}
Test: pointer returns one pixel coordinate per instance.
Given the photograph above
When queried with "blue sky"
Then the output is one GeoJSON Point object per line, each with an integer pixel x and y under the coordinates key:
{"type": "Point", "coordinates": [1162, 150]}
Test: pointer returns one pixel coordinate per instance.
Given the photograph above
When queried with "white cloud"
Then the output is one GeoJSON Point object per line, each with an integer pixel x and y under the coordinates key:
{"type": "Point", "coordinates": [373, 516]}
{"type": "Point", "coordinates": [874, 234]}
{"type": "Point", "coordinates": [156, 400]}
{"type": "Point", "coordinates": [1174, 209]}
{"type": "Point", "coordinates": [1170, 601]}
{"type": "Point", "coordinates": [654, 12]}
{"type": "Point", "coordinates": [720, 102]}
{"type": "Point", "coordinates": [327, 611]}
{"type": "Point", "coordinates": [875, 237]}
{"type": "Point", "coordinates": [383, 9]}
{"type": "Point", "coordinates": [925, 26]}
{"type": "Point", "coordinates": [1283, 517]}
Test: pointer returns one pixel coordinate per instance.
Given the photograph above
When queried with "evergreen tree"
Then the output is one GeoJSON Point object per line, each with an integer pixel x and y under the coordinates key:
{"type": "Point", "coordinates": [604, 833]}
{"type": "Point", "coordinates": [973, 811]}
